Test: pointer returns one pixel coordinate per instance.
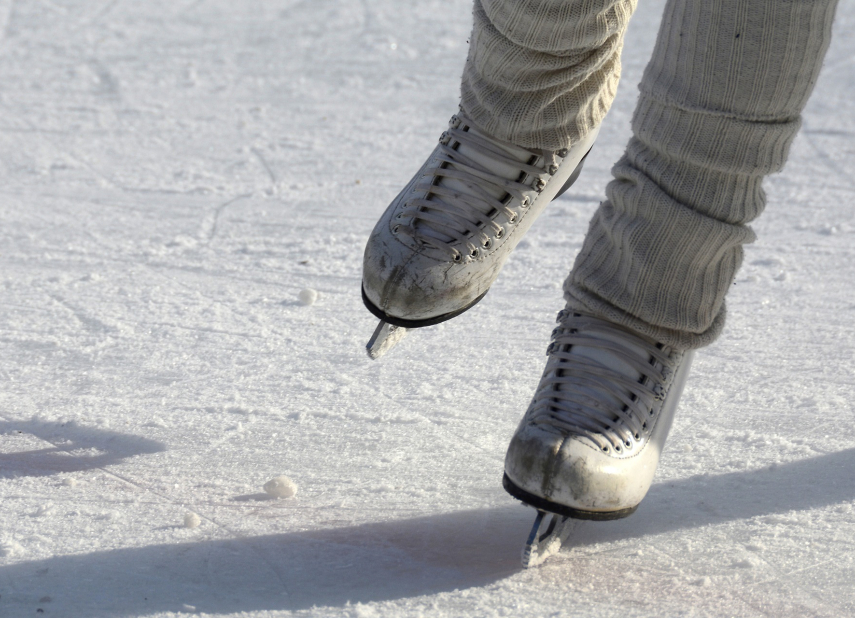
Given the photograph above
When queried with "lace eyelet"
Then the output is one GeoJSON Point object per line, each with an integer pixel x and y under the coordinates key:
{"type": "Point", "coordinates": [563, 152]}
{"type": "Point", "coordinates": [488, 243]}
{"type": "Point", "coordinates": [457, 257]}
{"type": "Point", "coordinates": [474, 253]}
{"type": "Point", "coordinates": [395, 229]}
{"type": "Point", "coordinates": [539, 184]}
{"type": "Point", "coordinates": [605, 449]}
{"type": "Point", "coordinates": [526, 202]}
{"type": "Point", "coordinates": [628, 444]}
{"type": "Point", "coordinates": [552, 169]}
{"type": "Point", "coordinates": [512, 219]}
{"type": "Point", "coordinates": [500, 233]}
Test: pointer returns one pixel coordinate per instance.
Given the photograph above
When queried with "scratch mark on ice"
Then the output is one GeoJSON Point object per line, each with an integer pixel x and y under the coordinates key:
{"type": "Point", "coordinates": [211, 222]}
{"type": "Point", "coordinates": [266, 165]}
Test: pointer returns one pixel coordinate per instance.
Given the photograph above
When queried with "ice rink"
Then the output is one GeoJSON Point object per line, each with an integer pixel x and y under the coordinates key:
{"type": "Point", "coordinates": [174, 174]}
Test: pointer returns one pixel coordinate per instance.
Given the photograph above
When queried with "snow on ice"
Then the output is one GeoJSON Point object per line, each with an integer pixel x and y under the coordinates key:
{"type": "Point", "coordinates": [170, 167]}
{"type": "Point", "coordinates": [281, 487]}
{"type": "Point", "coordinates": [308, 296]}
{"type": "Point", "coordinates": [192, 520]}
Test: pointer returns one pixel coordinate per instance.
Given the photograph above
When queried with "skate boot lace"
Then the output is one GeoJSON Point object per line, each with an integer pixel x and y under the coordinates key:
{"type": "Point", "coordinates": [466, 193]}
{"type": "Point", "coordinates": [601, 383]}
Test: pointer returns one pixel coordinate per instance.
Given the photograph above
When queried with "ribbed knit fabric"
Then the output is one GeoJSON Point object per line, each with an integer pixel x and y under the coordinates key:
{"type": "Point", "coordinates": [543, 73]}
{"type": "Point", "coordinates": [719, 108]}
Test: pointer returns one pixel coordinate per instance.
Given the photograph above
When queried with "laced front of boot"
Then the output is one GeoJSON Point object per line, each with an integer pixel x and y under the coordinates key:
{"type": "Point", "coordinates": [602, 384]}
{"type": "Point", "coordinates": [480, 188]}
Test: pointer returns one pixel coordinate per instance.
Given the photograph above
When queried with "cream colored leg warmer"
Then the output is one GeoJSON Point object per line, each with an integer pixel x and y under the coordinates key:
{"type": "Point", "coordinates": [542, 73]}
{"type": "Point", "coordinates": [719, 108]}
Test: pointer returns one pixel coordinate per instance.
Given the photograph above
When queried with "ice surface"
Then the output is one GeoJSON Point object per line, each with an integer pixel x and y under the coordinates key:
{"type": "Point", "coordinates": [175, 173]}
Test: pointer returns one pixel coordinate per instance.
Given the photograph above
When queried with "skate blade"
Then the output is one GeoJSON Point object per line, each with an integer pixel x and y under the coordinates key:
{"type": "Point", "coordinates": [546, 537]}
{"type": "Point", "coordinates": [386, 336]}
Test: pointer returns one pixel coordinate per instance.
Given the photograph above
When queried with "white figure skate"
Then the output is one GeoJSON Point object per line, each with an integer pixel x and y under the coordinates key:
{"type": "Point", "coordinates": [442, 242]}
{"type": "Point", "coordinates": [589, 444]}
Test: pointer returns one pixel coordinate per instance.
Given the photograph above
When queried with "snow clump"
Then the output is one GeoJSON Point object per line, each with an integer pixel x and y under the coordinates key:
{"type": "Point", "coordinates": [191, 520]}
{"type": "Point", "coordinates": [308, 296]}
{"type": "Point", "coordinates": [281, 487]}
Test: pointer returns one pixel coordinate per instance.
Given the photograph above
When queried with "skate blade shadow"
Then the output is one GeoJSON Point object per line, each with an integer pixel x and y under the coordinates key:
{"type": "Point", "coordinates": [82, 448]}
{"type": "Point", "coordinates": [396, 559]}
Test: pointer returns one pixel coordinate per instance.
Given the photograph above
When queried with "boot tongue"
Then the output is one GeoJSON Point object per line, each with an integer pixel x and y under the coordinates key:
{"type": "Point", "coordinates": [612, 361]}
{"type": "Point", "coordinates": [488, 162]}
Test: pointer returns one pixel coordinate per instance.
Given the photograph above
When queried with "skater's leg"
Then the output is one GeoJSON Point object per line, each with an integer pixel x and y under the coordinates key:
{"type": "Point", "coordinates": [543, 73]}
{"type": "Point", "coordinates": [540, 76]}
{"type": "Point", "coordinates": [719, 107]}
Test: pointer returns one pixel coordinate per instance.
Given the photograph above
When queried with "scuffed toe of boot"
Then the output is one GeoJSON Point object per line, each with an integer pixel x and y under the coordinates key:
{"type": "Point", "coordinates": [573, 478]}
{"type": "Point", "coordinates": [407, 288]}
{"type": "Point", "coordinates": [589, 443]}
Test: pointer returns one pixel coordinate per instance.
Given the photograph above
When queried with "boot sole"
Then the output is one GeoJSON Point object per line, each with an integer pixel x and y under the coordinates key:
{"type": "Point", "coordinates": [415, 323]}
{"type": "Point", "coordinates": [542, 504]}
{"type": "Point", "coordinates": [404, 323]}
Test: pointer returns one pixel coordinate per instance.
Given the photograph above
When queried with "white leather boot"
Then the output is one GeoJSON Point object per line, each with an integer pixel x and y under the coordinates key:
{"type": "Point", "coordinates": [589, 444]}
{"type": "Point", "coordinates": [442, 242]}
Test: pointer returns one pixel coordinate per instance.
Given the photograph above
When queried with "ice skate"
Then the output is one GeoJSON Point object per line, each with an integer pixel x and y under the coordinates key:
{"type": "Point", "coordinates": [589, 444]}
{"type": "Point", "coordinates": [442, 242]}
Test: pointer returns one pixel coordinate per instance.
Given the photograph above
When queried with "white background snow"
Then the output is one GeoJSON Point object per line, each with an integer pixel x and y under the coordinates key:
{"type": "Point", "coordinates": [174, 173]}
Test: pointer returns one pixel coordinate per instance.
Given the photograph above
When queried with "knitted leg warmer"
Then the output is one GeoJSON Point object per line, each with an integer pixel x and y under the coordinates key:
{"type": "Point", "coordinates": [543, 73]}
{"type": "Point", "coordinates": [719, 107]}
